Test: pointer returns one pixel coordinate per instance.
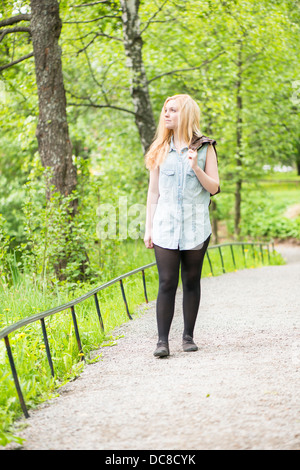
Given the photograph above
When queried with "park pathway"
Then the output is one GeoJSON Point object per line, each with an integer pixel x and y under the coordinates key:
{"type": "Point", "coordinates": [240, 390]}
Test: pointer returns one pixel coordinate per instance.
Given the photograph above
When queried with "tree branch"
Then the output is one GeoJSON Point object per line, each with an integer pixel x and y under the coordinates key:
{"type": "Point", "coordinates": [90, 4]}
{"type": "Point", "coordinates": [95, 36]}
{"type": "Point", "coordinates": [17, 29]}
{"type": "Point", "coordinates": [153, 16]}
{"type": "Point", "coordinates": [87, 45]}
{"type": "Point", "coordinates": [109, 37]}
{"type": "Point", "coordinates": [94, 105]}
{"type": "Point", "coordinates": [15, 19]}
{"type": "Point", "coordinates": [24, 57]}
{"type": "Point", "coordinates": [91, 21]}
{"type": "Point", "coordinates": [205, 62]}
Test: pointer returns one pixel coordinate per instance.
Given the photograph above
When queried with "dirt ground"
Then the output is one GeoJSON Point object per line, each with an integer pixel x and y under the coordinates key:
{"type": "Point", "coordinates": [239, 391]}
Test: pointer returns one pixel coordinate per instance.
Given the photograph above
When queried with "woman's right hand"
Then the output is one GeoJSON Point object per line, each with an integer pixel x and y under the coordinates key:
{"type": "Point", "coordinates": [148, 239]}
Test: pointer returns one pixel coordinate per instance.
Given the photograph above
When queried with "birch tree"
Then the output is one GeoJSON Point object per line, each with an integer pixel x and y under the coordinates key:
{"type": "Point", "coordinates": [133, 45]}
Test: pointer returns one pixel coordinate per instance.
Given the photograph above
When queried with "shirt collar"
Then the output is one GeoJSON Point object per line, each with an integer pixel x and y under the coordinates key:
{"type": "Point", "coordinates": [172, 146]}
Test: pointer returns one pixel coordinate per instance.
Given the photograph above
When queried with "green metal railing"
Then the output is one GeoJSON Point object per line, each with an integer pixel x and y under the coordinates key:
{"type": "Point", "coordinates": [4, 334]}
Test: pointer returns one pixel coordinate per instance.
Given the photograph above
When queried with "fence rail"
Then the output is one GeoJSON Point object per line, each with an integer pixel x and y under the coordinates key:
{"type": "Point", "coordinates": [4, 334]}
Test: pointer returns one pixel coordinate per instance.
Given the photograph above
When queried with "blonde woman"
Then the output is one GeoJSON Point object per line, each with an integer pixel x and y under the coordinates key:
{"type": "Point", "coordinates": [183, 175]}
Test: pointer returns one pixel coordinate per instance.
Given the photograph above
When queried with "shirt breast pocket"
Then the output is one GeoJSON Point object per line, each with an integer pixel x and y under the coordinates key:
{"type": "Point", "coordinates": [192, 181]}
{"type": "Point", "coordinates": [167, 177]}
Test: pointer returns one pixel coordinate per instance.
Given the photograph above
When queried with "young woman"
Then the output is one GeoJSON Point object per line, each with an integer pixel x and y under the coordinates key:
{"type": "Point", "coordinates": [183, 175]}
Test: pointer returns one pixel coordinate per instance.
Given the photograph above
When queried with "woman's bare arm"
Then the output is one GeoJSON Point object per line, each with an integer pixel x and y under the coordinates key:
{"type": "Point", "coordinates": [152, 198]}
{"type": "Point", "coordinates": [209, 178]}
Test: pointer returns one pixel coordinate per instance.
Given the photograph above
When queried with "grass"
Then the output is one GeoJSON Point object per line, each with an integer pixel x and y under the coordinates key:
{"type": "Point", "coordinates": [28, 297]}
{"type": "Point", "coordinates": [264, 208]}
{"type": "Point", "coordinates": [266, 216]}
{"type": "Point", "coordinates": [274, 176]}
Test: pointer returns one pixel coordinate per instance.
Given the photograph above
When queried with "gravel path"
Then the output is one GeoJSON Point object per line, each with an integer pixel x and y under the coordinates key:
{"type": "Point", "coordinates": [240, 390]}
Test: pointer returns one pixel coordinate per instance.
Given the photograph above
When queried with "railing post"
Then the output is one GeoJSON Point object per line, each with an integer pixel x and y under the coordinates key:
{"type": "Point", "coordinates": [77, 332]}
{"type": "Point", "coordinates": [124, 298]}
{"type": "Point", "coordinates": [98, 311]}
{"type": "Point", "coordinates": [233, 259]}
{"type": "Point", "coordinates": [253, 252]}
{"type": "Point", "coordinates": [261, 252]}
{"type": "Point", "coordinates": [268, 253]}
{"type": "Point", "coordinates": [47, 346]}
{"type": "Point", "coordinates": [223, 268]}
{"type": "Point", "coordinates": [15, 376]}
{"type": "Point", "coordinates": [209, 262]}
{"type": "Point", "coordinates": [244, 255]}
{"type": "Point", "coordinates": [144, 283]}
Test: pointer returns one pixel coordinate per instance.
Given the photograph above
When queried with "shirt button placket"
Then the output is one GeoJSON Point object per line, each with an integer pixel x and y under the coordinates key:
{"type": "Point", "coordinates": [180, 195]}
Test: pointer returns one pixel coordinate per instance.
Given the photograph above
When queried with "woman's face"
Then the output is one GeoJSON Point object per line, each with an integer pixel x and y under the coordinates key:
{"type": "Point", "coordinates": [171, 115]}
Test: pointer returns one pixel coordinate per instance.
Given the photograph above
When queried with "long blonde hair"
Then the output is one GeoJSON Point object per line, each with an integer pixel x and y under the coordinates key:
{"type": "Point", "coordinates": [188, 126]}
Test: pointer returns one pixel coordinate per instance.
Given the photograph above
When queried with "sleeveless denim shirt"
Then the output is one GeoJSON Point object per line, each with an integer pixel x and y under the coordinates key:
{"type": "Point", "coordinates": [181, 219]}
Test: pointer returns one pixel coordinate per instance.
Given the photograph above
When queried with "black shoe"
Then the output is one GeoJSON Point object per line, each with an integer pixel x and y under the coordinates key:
{"type": "Point", "coordinates": [188, 344]}
{"type": "Point", "coordinates": [162, 349]}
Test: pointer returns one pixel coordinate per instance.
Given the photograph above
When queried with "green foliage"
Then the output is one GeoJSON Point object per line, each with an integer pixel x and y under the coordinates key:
{"type": "Point", "coordinates": [53, 233]}
{"type": "Point", "coordinates": [265, 221]}
{"type": "Point", "coordinates": [4, 252]}
{"type": "Point", "coordinates": [264, 209]}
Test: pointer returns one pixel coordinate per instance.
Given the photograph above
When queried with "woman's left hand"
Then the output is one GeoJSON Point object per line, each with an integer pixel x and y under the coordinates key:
{"type": "Point", "coordinates": [192, 156]}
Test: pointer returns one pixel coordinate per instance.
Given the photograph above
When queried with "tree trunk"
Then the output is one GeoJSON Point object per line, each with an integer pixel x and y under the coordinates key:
{"type": "Point", "coordinates": [298, 156]}
{"type": "Point", "coordinates": [133, 44]}
{"type": "Point", "coordinates": [52, 131]}
{"type": "Point", "coordinates": [238, 184]}
{"type": "Point", "coordinates": [207, 111]}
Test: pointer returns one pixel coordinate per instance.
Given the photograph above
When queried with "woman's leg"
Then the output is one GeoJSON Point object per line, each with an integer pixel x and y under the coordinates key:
{"type": "Point", "coordinates": [168, 262]}
{"type": "Point", "coordinates": [191, 268]}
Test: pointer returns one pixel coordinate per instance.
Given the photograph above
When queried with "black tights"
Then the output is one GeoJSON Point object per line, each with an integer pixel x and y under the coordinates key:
{"type": "Point", "coordinates": [168, 262]}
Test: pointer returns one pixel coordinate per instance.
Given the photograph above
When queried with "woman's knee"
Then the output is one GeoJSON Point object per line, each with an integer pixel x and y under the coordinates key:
{"type": "Point", "coordinates": [191, 283]}
{"type": "Point", "coordinates": [168, 284]}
